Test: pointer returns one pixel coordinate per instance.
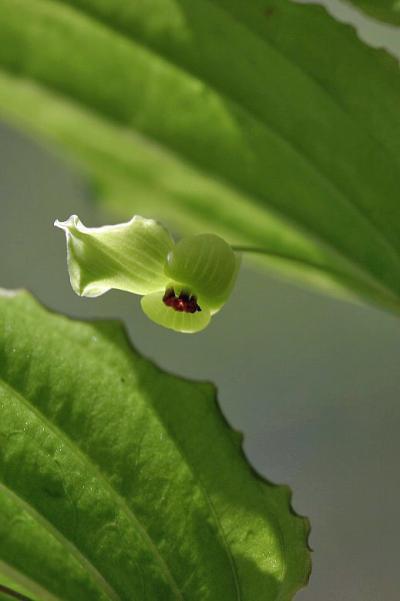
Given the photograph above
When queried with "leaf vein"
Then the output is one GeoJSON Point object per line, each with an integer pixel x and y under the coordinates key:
{"type": "Point", "coordinates": [303, 156]}
{"type": "Point", "coordinates": [72, 548]}
{"type": "Point", "coordinates": [101, 477]}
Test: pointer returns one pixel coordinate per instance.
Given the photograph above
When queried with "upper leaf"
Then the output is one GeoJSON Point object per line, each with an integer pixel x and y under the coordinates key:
{"type": "Point", "coordinates": [386, 10]}
{"type": "Point", "coordinates": [265, 122]}
{"type": "Point", "coordinates": [119, 481]}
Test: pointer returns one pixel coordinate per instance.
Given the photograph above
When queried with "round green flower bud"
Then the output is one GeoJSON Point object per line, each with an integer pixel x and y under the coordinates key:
{"type": "Point", "coordinates": [207, 266]}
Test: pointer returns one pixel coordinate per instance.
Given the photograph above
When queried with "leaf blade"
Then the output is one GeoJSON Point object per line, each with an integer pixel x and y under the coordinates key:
{"type": "Point", "coordinates": [101, 435]}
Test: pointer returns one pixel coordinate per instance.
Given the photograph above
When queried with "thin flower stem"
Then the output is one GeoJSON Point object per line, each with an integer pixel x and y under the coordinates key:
{"type": "Point", "coordinates": [268, 253]}
{"type": "Point", "coordinates": [252, 249]}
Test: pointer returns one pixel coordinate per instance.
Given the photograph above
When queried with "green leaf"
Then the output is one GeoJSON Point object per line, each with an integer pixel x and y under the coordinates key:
{"type": "Point", "coordinates": [119, 481]}
{"type": "Point", "coordinates": [385, 10]}
{"type": "Point", "coordinates": [265, 122]}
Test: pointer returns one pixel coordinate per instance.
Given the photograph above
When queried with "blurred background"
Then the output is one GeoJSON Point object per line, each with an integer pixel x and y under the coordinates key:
{"type": "Point", "coordinates": [312, 382]}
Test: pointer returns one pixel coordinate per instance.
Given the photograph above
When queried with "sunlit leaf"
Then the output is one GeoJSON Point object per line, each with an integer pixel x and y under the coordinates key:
{"type": "Point", "coordinates": [121, 482]}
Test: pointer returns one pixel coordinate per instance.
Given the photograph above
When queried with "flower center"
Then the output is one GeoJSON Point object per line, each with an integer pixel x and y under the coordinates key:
{"type": "Point", "coordinates": [185, 302]}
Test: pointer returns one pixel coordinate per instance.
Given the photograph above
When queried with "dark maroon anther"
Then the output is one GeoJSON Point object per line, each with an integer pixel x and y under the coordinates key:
{"type": "Point", "coordinates": [179, 304]}
{"type": "Point", "coordinates": [169, 297]}
{"type": "Point", "coordinates": [185, 302]}
{"type": "Point", "coordinates": [194, 305]}
{"type": "Point", "coordinates": [169, 293]}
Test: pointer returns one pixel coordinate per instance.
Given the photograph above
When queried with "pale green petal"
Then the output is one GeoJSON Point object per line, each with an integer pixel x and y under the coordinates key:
{"type": "Point", "coordinates": [157, 311]}
{"type": "Point", "coordinates": [208, 266]}
{"type": "Point", "coordinates": [128, 256]}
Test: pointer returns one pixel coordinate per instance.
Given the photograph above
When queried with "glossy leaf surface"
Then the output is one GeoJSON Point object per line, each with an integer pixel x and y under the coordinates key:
{"type": "Point", "coordinates": [119, 481]}
{"type": "Point", "coordinates": [265, 122]}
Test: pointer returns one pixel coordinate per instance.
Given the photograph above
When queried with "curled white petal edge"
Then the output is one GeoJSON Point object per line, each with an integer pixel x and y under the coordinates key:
{"type": "Point", "coordinates": [74, 222]}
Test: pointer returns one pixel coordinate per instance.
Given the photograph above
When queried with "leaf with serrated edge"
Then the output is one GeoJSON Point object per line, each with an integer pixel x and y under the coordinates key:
{"type": "Point", "coordinates": [119, 481]}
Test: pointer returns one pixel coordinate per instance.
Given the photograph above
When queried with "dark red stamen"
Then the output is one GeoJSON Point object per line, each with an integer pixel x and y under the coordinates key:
{"type": "Point", "coordinates": [185, 302]}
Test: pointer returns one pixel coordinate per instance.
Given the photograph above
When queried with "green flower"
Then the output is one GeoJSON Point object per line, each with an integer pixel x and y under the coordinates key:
{"type": "Point", "coordinates": [182, 285]}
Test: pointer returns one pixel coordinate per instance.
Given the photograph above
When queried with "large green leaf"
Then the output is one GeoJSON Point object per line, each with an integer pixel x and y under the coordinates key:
{"type": "Point", "coordinates": [266, 122]}
{"type": "Point", "coordinates": [386, 10]}
{"type": "Point", "coordinates": [119, 481]}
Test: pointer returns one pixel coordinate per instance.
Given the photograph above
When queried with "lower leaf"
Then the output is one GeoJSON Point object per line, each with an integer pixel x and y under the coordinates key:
{"type": "Point", "coordinates": [119, 481]}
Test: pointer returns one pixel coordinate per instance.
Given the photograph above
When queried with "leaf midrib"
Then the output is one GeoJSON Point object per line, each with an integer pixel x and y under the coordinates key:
{"type": "Point", "coordinates": [44, 594]}
{"type": "Point", "coordinates": [100, 477]}
{"type": "Point", "coordinates": [85, 457]}
{"type": "Point", "coordinates": [213, 511]}
{"type": "Point", "coordinates": [102, 583]}
{"type": "Point", "coordinates": [196, 476]}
